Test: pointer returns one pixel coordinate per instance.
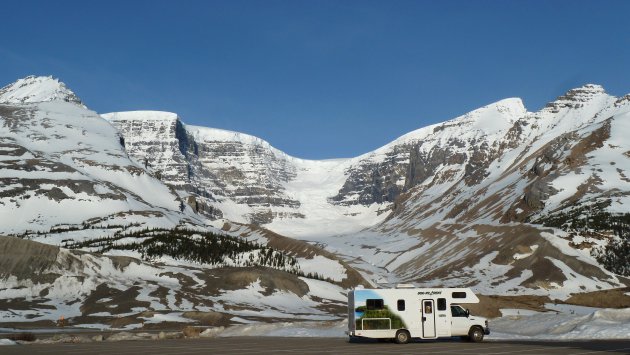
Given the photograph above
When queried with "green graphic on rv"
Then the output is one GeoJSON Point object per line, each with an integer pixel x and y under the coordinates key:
{"type": "Point", "coordinates": [372, 313]}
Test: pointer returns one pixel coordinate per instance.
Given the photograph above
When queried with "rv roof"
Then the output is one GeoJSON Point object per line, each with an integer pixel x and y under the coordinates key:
{"type": "Point", "coordinates": [405, 286]}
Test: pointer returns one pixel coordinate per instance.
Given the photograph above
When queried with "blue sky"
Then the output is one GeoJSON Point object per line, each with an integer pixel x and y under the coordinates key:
{"type": "Point", "coordinates": [317, 79]}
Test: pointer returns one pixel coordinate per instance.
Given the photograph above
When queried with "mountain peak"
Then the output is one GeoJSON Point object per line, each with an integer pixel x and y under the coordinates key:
{"type": "Point", "coordinates": [37, 89]}
{"type": "Point", "coordinates": [502, 111]}
{"type": "Point", "coordinates": [576, 98]}
{"type": "Point", "coordinates": [590, 87]}
{"type": "Point", "coordinates": [511, 107]}
{"type": "Point", "coordinates": [583, 93]}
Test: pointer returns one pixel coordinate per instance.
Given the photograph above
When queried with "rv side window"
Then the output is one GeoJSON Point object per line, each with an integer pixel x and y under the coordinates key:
{"type": "Point", "coordinates": [441, 304]}
{"type": "Point", "coordinates": [374, 304]}
{"type": "Point", "coordinates": [457, 311]}
{"type": "Point", "coordinates": [459, 294]}
{"type": "Point", "coordinates": [401, 305]}
{"type": "Point", "coordinates": [428, 307]}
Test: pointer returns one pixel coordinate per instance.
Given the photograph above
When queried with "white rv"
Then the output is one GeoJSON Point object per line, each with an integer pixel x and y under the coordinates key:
{"type": "Point", "coordinates": [405, 312]}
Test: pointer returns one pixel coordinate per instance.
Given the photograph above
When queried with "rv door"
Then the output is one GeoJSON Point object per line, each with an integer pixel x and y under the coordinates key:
{"type": "Point", "coordinates": [428, 319]}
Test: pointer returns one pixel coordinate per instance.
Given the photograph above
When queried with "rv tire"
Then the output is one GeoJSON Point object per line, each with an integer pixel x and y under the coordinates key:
{"type": "Point", "coordinates": [475, 334]}
{"type": "Point", "coordinates": [402, 337]}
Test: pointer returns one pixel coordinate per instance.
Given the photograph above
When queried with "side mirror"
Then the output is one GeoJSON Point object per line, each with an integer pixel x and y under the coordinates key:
{"type": "Point", "coordinates": [467, 313]}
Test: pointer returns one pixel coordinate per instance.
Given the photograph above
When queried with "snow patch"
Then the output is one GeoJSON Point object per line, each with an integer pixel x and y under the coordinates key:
{"type": "Point", "coordinates": [7, 342]}
{"type": "Point", "coordinates": [601, 324]}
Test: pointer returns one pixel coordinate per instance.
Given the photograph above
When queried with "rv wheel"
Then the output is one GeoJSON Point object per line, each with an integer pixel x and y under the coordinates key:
{"type": "Point", "coordinates": [402, 337]}
{"type": "Point", "coordinates": [475, 334]}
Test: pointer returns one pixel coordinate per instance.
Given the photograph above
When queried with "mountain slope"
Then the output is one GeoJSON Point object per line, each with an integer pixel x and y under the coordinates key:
{"type": "Point", "coordinates": [62, 164]}
{"type": "Point", "coordinates": [41, 283]}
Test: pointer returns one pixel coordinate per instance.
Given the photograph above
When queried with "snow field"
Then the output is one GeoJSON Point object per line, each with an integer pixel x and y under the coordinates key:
{"type": "Point", "coordinates": [600, 324]}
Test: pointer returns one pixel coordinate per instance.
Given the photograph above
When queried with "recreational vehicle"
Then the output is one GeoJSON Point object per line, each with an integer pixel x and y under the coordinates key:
{"type": "Point", "coordinates": [406, 312]}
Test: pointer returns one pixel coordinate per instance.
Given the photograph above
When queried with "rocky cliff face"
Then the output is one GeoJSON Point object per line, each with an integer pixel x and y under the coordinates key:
{"type": "Point", "coordinates": [209, 167]}
{"type": "Point", "coordinates": [157, 142]}
{"type": "Point", "coordinates": [375, 181]}
{"type": "Point", "coordinates": [243, 170]}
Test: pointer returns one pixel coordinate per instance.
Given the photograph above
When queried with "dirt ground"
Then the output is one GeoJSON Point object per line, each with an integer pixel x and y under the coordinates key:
{"type": "Point", "coordinates": [489, 306]}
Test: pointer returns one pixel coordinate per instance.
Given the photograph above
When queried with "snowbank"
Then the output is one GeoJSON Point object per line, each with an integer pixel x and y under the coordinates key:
{"type": "Point", "coordinates": [601, 324]}
{"type": "Point", "coordinates": [7, 342]}
{"type": "Point", "coordinates": [283, 329]}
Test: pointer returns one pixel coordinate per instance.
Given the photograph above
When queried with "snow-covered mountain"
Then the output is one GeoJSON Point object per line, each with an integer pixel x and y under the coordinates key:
{"type": "Point", "coordinates": [61, 163]}
{"type": "Point", "coordinates": [243, 178]}
{"type": "Point", "coordinates": [67, 180]}
{"type": "Point", "coordinates": [510, 181]}
{"type": "Point", "coordinates": [501, 199]}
